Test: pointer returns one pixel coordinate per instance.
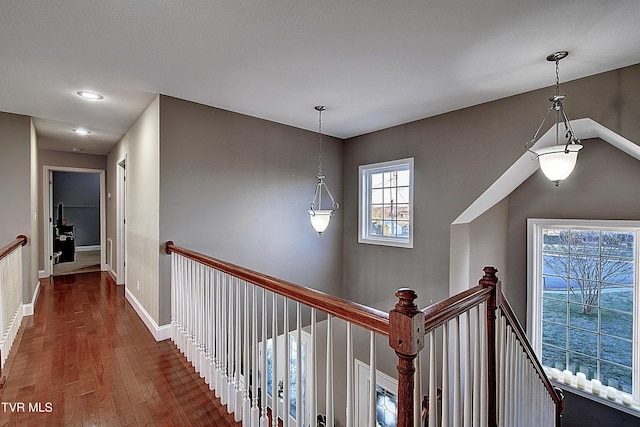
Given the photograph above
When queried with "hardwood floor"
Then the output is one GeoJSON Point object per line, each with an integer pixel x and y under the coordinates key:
{"type": "Point", "coordinates": [86, 359]}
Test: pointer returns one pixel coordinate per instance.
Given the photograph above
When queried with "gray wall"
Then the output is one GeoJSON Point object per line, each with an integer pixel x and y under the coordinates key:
{"type": "Point", "coordinates": [238, 188]}
{"type": "Point", "coordinates": [458, 155]}
{"type": "Point", "coordinates": [79, 194]}
{"type": "Point", "coordinates": [15, 190]}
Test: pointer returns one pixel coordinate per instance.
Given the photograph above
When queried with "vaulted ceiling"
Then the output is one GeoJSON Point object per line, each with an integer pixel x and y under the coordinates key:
{"type": "Point", "coordinates": [373, 63]}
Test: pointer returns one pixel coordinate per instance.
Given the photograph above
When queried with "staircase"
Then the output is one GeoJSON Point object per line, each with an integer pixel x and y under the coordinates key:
{"type": "Point", "coordinates": [276, 352]}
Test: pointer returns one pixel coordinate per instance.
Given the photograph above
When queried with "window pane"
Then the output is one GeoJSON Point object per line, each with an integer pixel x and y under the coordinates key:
{"type": "Point", "coordinates": [376, 180]}
{"type": "Point", "coordinates": [619, 376]}
{"type": "Point", "coordinates": [376, 196]}
{"type": "Point", "coordinates": [403, 228]}
{"type": "Point", "coordinates": [403, 195]}
{"type": "Point", "coordinates": [554, 288]}
{"type": "Point", "coordinates": [585, 242]}
{"type": "Point", "coordinates": [554, 241]}
{"type": "Point", "coordinates": [376, 228]}
{"type": "Point", "coordinates": [616, 350]}
{"type": "Point", "coordinates": [616, 324]}
{"type": "Point", "coordinates": [388, 180]}
{"type": "Point", "coordinates": [402, 211]}
{"type": "Point", "coordinates": [554, 311]}
{"type": "Point", "coordinates": [583, 342]}
{"type": "Point", "coordinates": [617, 271]}
{"type": "Point", "coordinates": [553, 356]}
{"type": "Point", "coordinates": [585, 364]}
{"type": "Point", "coordinates": [620, 298]}
{"type": "Point", "coordinates": [555, 264]}
{"type": "Point", "coordinates": [404, 177]}
{"type": "Point", "coordinates": [554, 334]}
{"type": "Point", "coordinates": [583, 316]}
{"type": "Point", "coordinates": [618, 244]}
{"type": "Point", "coordinates": [584, 267]}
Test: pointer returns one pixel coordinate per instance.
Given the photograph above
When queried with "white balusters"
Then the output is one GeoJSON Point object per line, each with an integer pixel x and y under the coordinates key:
{"type": "Point", "coordinates": [263, 364]}
{"type": "Point", "coordinates": [286, 392]}
{"type": "Point", "coordinates": [433, 381]}
{"type": "Point", "coordinates": [246, 400]}
{"type": "Point", "coordinates": [445, 374]}
{"type": "Point", "coordinates": [255, 410]}
{"type": "Point", "coordinates": [238, 363]}
{"type": "Point", "coordinates": [350, 391]}
{"type": "Point", "coordinates": [329, 374]}
{"type": "Point", "coordinates": [274, 362]}
{"type": "Point", "coordinates": [373, 381]}
{"type": "Point", "coordinates": [10, 300]}
{"type": "Point", "coordinates": [468, 374]}
{"type": "Point", "coordinates": [299, 367]}
{"type": "Point", "coordinates": [313, 382]}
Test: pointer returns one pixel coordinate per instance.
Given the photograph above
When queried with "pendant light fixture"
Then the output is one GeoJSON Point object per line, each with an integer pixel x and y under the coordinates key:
{"type": "Point", "coordinates": [320, 217]}
{"type": "Point", "coordinates": [557, 161]}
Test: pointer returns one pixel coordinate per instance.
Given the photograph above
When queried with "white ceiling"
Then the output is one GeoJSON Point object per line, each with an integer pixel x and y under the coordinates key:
{"type": "Point", "coordinates": [373, 63]}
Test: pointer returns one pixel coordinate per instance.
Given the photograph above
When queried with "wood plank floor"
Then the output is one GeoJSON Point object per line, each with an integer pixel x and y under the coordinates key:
{"type": "Point", "coordinates": [86, 359]}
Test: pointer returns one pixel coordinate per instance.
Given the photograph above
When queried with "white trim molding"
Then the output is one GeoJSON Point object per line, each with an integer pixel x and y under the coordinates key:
{"type": "Point", "coordinates": [160, 333]}
{"type": "Point", "coordinates": [28, 309]}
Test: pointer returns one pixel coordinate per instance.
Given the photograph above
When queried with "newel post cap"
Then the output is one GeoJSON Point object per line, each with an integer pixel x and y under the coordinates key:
{"type": "Point", "coordinates": [406, 324]}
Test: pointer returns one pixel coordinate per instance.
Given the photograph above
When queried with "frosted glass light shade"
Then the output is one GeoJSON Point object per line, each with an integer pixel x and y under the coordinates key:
{"type": "Point", "coordinates": [320, 219]}
{"type": "Point", "coordinates": [558, 161]}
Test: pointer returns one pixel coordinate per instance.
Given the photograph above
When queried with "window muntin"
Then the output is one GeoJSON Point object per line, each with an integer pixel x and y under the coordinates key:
{"type": "Point", "coordinates": [583, 278]}
{"type": "Point", "coordinates": [386, 203]}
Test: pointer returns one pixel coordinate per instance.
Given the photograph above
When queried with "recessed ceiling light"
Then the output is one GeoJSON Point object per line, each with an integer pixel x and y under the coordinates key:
{"type": "Point", "coordinates": [87, 94]}
{"type": "Point", "coordinates": [82, 131]}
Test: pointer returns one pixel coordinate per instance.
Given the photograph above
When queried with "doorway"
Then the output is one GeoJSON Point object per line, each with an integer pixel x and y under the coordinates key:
{"type": "Point", "coordinates": [76, 227]}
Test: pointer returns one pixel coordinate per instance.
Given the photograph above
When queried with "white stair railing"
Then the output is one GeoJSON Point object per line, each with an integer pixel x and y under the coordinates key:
{"type": "Point", "coordinates": [11, 282]}
{"type": "Point", "coordinates": [255, 340]}
{"type": "Point", "coordinates": [260, 342]}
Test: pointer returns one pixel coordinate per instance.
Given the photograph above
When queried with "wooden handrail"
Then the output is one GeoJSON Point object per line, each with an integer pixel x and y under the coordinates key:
{"type": "Point", "coordinates": [555, 392]}
{"type": "Point", "coordinates": [358, 314]}
{"type": "Point", "coordinates": [20, 240]}
{"type": "Point", "coordinates": [452, 307]}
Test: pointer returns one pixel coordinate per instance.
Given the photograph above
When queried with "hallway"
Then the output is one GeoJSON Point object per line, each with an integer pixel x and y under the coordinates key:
{"type": "Point", "coordinates": [85, 359]}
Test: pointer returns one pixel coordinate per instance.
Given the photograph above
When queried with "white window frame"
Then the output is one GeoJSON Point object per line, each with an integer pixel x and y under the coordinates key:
{"type": "Point", "coordinates": [364, 203]}
{"type": "Point", "coordinates": [535, 226]}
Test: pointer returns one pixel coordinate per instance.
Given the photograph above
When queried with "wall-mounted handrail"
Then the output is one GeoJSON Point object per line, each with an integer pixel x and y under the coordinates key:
{"type": "Point", "coordinates": [20, 240]}
{"type": "Point", "coordinates": [358, 314]}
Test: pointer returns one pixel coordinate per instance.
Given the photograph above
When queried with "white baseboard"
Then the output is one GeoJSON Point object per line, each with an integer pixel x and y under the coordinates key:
{"type": "Point", "coordinates": [28, 309]}
{"type": "Point", "coordinates": [88, 248]}
{"type": "Point", "coordinates": [42, 274]}
{"type": "Point", "coordinates": [112, 274]}
{"type": "Point", "coordinates": [159, 332]}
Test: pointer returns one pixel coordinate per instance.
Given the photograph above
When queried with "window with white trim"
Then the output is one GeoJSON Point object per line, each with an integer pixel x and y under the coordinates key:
{"type": "Point", "coordinates": [386, 203]}
{"type": "Point", "coordinates": [583, 293]}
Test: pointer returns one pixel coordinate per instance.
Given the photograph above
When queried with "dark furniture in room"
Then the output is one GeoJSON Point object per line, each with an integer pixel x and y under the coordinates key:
{"type": "Point", "coordinates": [64, 243]}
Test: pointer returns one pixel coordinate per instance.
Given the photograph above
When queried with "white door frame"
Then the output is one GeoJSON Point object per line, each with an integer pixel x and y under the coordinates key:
{"type": "Point", "coordinates": [48, 222]}
{"type": "Point", "coordinates": [121, 221]}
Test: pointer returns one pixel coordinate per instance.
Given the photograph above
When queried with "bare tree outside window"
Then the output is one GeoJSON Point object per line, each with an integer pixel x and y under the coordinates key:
{"type": "Point", "coordinates": [588, 262]}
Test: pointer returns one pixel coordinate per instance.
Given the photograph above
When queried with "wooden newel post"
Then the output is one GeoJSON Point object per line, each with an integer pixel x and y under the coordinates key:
{"type": "Point", "coordinates": [406, 337]}
{"type": "Point", "coordinates": [490, 279]}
